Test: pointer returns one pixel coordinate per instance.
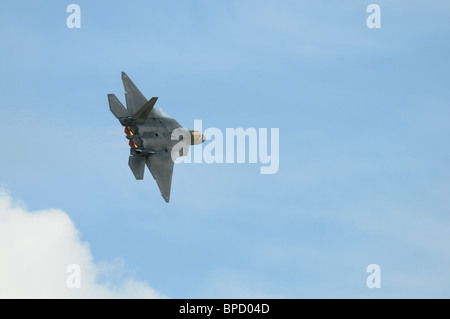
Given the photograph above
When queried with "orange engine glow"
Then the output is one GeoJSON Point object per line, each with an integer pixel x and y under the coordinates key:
{"type": "Point", "coordinates": [129, 133]}
{"type": "Point", "coordinates": [132, 144]}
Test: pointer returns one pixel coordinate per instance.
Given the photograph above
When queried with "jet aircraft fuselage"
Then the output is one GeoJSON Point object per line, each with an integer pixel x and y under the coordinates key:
{"type": "Point", "coordinates": [150, 135]}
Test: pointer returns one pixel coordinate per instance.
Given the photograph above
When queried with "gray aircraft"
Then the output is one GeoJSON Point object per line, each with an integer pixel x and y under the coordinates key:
{"type": "Point", "coordinates": [151, 136]}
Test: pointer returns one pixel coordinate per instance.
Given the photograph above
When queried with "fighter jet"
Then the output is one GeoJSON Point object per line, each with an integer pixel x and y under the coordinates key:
{"type": "Point", "coordinates": [150, 135]}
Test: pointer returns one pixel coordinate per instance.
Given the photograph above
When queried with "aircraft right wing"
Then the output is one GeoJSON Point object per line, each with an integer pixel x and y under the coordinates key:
{"type": "Point", "coordinates": [134, 98]}
{"type": "Point", "coordinates": [161, 167]}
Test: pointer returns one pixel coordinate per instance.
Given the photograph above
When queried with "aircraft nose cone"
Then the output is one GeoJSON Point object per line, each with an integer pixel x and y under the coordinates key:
{"type": "Point", "coordinates": [203, 138]}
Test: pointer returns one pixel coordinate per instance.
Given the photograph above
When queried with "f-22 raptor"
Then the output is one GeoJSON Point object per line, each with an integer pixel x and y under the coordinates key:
{"type": "Point", "coordinates": [150, 135]}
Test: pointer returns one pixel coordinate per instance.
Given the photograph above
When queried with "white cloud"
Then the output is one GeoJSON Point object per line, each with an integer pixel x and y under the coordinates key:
{"type": "Point", "coordinates": [36, 249]}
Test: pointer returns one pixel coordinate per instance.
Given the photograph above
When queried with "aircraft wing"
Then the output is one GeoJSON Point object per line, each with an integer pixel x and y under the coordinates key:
{"type": "Point", "coordinates": [161, 167]}
{"type": "Point", "coordinates": [134, 98]}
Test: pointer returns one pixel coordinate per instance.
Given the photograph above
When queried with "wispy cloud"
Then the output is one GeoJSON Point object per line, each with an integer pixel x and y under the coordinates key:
{"type": "Point", "coordinates": [36, 249]}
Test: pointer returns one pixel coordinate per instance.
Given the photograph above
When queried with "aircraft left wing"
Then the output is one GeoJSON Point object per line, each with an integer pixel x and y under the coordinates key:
{"type": "Point", "coordinates": [161, 167]}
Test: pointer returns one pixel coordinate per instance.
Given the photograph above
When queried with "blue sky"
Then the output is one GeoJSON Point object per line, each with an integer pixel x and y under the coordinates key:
{"type": "Point", "coordinates": [364, 124]}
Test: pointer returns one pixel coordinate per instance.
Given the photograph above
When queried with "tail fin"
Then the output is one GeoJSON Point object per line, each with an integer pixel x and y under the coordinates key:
{"type": "Point", "coordinates": [137, 165]}
{"type": "Point", "coordinates": [117, 108]}
{"type": "Point", "coordinates": [145, 110]}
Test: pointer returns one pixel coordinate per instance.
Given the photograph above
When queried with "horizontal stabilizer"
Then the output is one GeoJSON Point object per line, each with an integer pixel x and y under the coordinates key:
{"type": "Point", "coordinates": [144, 111]}
{"type": "Point", "coordinates": [137, 165]}
{"type": "Point", "coordinates": [116, 107]}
